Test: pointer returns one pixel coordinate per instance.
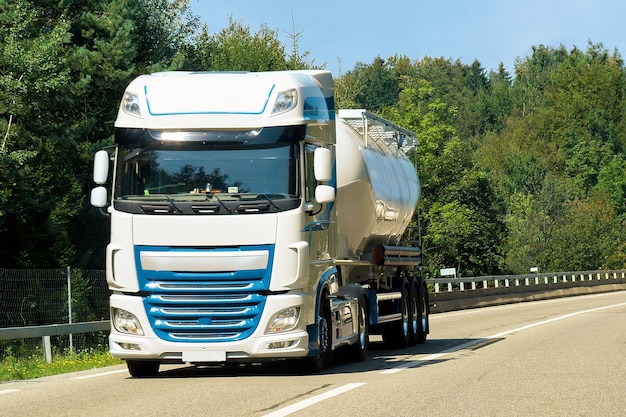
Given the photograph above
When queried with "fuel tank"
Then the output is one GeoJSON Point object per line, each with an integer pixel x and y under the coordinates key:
{"type": "Point", "coordinates": [377, 190]}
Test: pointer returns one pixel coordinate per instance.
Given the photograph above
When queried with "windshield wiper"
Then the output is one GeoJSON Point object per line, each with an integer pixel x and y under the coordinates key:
{"type": "Point", "coordinates": [269, 200]}
{"type": "Point", "coordinates": [219, 200]}
{"type": "Point", "coordinates": [172, 204]}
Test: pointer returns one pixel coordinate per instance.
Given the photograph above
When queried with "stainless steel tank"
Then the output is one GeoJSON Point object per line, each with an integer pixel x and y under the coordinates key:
{"type": "Point", "coordinates": [377, 191]}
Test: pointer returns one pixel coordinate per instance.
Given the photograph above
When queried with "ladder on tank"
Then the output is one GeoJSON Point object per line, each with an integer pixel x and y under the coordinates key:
{"type": "Point", "coordinates": [376, 128]}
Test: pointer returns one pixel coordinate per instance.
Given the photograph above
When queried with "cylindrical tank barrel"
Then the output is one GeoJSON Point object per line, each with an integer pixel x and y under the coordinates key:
{"type": "Point", "coordinates": [377, 192]}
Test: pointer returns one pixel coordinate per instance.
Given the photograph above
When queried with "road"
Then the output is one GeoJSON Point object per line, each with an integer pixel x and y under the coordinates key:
{"type": "Point", "coordinates": [562, 357]}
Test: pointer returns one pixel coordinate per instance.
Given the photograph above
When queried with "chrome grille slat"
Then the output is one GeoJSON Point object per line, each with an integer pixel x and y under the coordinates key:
{"type": "Point", "coordinates": [217, 297]}
{"type": "Point", "coordinates": [205, 336]}
{"type": "Point", "coordinates": [214, 323]}
{"type": "Point", "coordinates": [195, 287]}
{"type": "Point", "coordinates": [207, 310]}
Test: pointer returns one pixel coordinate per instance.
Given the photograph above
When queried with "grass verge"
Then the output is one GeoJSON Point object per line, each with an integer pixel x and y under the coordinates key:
{"type": "Point", "coordinates": [12, 369]}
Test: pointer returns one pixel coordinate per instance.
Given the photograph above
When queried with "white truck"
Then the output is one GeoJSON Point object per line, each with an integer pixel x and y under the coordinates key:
{"type": "Point", "coordinates": [251, 223]}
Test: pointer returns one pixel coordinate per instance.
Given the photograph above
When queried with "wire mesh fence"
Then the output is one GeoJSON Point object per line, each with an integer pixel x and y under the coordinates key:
{"type": "Point", "coordinates": [36, 297]}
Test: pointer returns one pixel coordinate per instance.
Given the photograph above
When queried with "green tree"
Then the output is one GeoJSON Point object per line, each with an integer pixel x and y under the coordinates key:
{"type": "Point", "coordinates": [589, 237]}
{"type": "Point", "coordinates": [63, 68]}
{"type": "Point", "coordinates": [462, 221]}
{"type": "Point", "coordinates": [236, 48]}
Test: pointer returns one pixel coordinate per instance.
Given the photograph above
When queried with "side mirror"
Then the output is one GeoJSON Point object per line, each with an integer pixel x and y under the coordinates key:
{"type": "Point", "coordinates": [101, 167]}
{"type": "Point", "coordinates": [99, 197]}
{"type": "Point", "coordinates": [322, 164]}
{"type": "Point", "coordinates": [324, 194]}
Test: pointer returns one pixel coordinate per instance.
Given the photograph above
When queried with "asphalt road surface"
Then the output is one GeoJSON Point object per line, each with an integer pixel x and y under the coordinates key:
{"type": "Point", "coordinates": [562, 357]}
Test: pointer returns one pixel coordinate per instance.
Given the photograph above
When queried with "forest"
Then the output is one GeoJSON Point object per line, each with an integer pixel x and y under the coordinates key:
{"type": "Point", "coordinates": [519, 168]}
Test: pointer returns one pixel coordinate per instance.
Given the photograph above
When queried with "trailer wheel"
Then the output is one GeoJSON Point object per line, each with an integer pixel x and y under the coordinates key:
{"type": "Point", "coordinates": [414, 314]}
{"type": "Point", "coordinates": [397, 333]}
{"type": "Point", "coordinates": [358, 351]}
{"type": "Point", "coordinates": [423, 319]}
{"type": "Point", "coordinates": [142, 369]}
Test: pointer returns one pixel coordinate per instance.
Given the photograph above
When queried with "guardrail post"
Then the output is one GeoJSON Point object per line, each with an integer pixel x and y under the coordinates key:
{"type": "Point", "coordinates": [47, 349]}
{"type": "Point", "coordinates": [69, 305]}
{"type": "Point", "coordinates": [495, 283]}
{"type": "Point", "coordinates": [436, 287]}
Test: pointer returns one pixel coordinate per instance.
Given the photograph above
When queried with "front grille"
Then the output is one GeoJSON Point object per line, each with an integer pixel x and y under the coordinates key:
{"type": "Point", "coordinates": [211, 306]}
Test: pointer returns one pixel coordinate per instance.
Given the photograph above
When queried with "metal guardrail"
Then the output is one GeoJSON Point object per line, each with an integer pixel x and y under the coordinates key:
{"type": "Point", "coordinates": [527, 280]}
{"type": "Point", "coordinates": [450, 294]}
{"type": "Point", "coordinates": [27, 332]}
{"type": "Point", "coordinates": [46, 331]}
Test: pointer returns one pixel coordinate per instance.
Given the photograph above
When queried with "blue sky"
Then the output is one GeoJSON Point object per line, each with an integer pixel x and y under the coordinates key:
{"type": "Point", "coordinates": [491, 31]}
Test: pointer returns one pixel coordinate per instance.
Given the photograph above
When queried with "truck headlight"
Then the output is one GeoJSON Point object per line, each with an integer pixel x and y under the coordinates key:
{"type": "Point", "coordinates": [285, 320]}
{"type": "Point", "coordinates": [285, 100]}
{"type": "Point", "coordinates": [130, 104]}
{"type": "Point", "coordinates": [125, 322]}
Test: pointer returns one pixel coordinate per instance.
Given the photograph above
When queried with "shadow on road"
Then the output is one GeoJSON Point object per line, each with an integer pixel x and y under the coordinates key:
{"type": "Point", "coordinates": [380, 358]}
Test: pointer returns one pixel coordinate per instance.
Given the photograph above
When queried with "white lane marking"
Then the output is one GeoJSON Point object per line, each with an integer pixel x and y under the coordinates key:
{"type": "Point", "coordinates": [119, 371]}
{"type": "Point", "coordinates": [8, 391]}
{"type": "Point", "coordinates": [466, 345]}
{"type": "Point", "coordinates": [313, 400]}
{"type": "Point", "coordinates": [566, 316]}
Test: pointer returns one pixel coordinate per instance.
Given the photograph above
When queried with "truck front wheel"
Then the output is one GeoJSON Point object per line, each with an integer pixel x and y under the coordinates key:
{"type": "Point", "coordinates": [315, 364]}
{"type": "Point", "coordinates": [358, 351]}
{"type": "Point", "coordinates": [143, 369]}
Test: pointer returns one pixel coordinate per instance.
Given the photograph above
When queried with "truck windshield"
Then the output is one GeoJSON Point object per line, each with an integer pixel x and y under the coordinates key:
{"type": "Point", "coordinates": [192, 172]}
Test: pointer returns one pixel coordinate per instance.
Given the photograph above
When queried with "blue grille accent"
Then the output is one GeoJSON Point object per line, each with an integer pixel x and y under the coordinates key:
{"type": "Point", "coordinates": [205, 307]}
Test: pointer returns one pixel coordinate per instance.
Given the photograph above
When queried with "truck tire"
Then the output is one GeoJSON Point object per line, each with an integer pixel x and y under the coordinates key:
{"type": "Point", "coordinates": [397, 334]}
{"type": "Point", "coordinates": [315, 364]}
{"type": "Point", "coordinates": [423, 319]}
{"type": "Point", "coordinates": [414, 313]}
{"type": "Point", "coordinates": [142, 369]}
{"type": "Point", "coordinates": [358, 351]}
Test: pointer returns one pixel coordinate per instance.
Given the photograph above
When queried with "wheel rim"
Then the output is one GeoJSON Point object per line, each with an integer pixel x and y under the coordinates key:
{"type": "Point", "coordinates": [405, 316]}
{"type": "Point", "coordinates": [323, 335]}
{"type": "Point", "coordinates": [414, 315]}
{"type": "Point", "coordinates": [424, 315]}
{"type": "Point", "coordinates": [362, 327]}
